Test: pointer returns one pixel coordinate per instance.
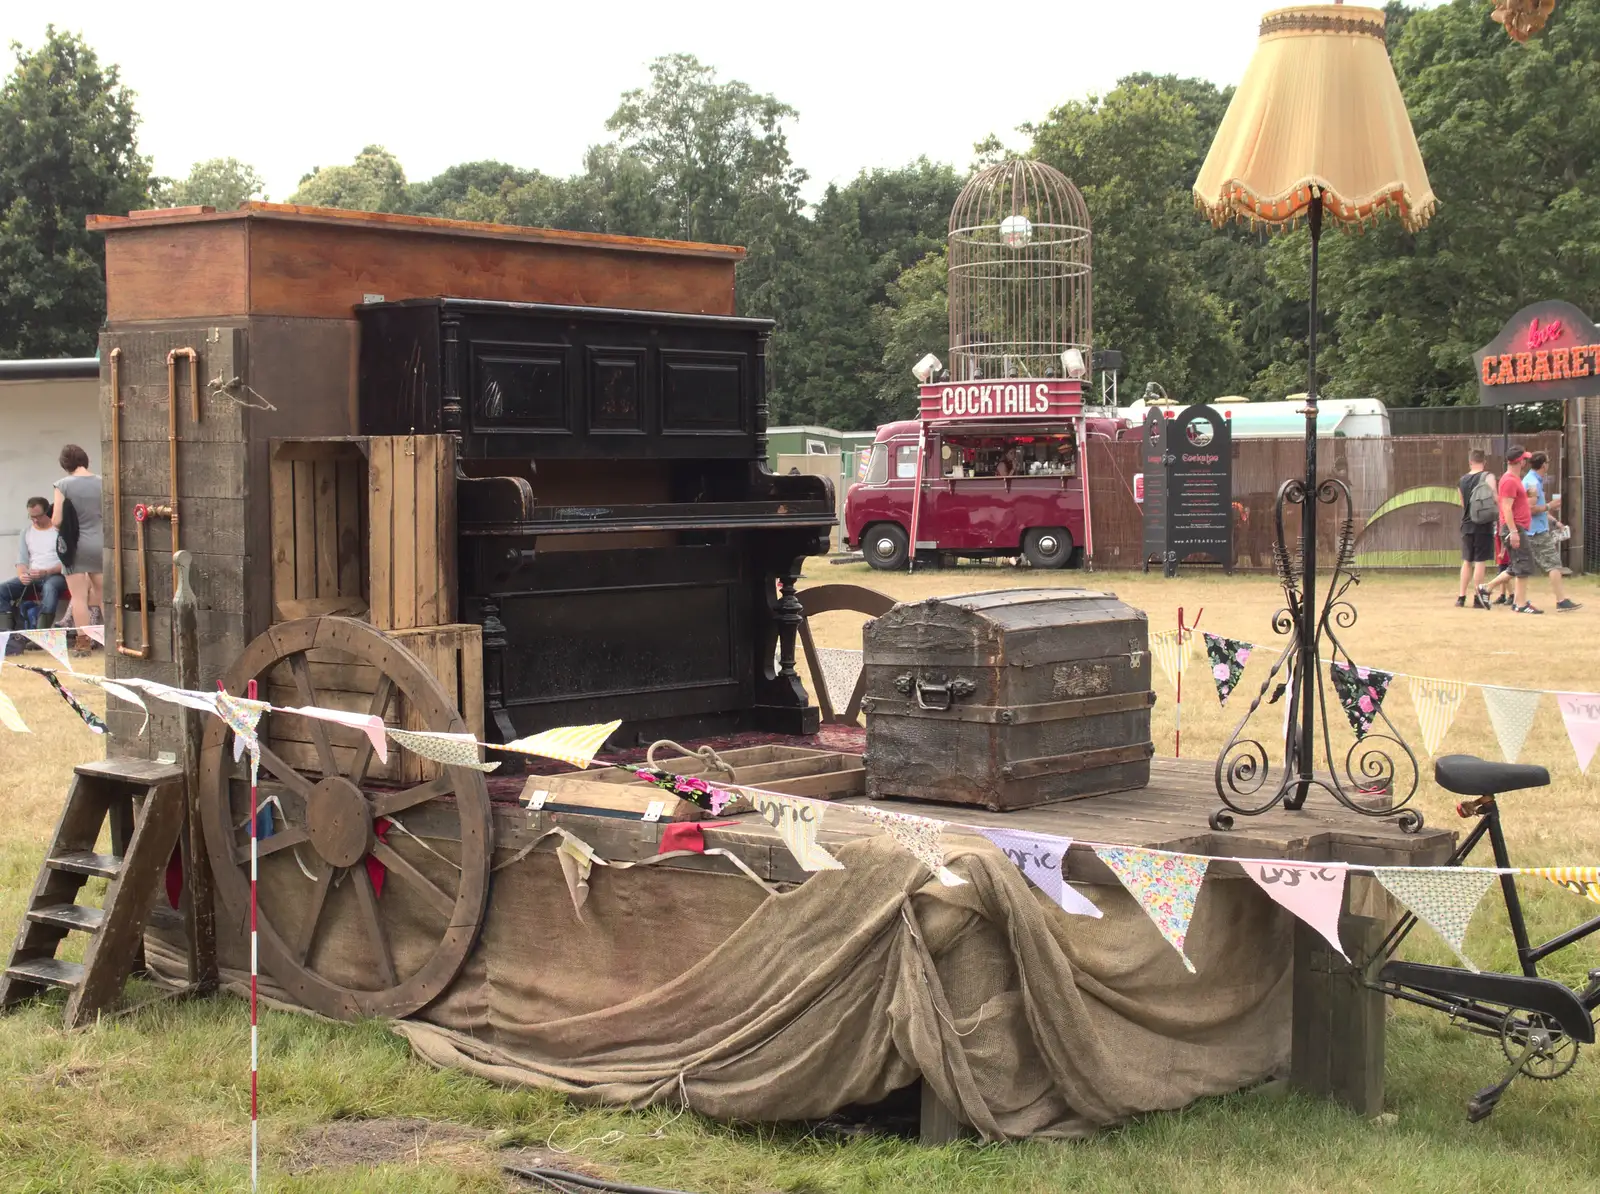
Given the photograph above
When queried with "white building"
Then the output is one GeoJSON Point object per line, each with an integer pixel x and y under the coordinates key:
{"type": "Point", "coordinates": [43, 405]}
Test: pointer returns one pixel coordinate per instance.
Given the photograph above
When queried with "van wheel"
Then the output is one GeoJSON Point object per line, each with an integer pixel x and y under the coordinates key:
{"type": "Point", "coordinates": [886, 546]}
{"type": "Point", "coordinates": [1047, 547]}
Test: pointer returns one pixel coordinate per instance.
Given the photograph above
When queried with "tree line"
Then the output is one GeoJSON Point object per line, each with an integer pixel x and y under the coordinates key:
{"type": "Point", "coordinates": [1510, 134]}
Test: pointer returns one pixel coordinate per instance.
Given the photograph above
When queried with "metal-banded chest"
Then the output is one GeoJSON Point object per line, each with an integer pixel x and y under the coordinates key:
{"type": "Point", "coordinates": [1008, 699]}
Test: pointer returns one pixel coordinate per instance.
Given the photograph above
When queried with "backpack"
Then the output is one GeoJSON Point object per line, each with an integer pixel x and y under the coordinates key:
{"type": "Point", "coordinates": [1481, 507]}
{"type": "Point", "coordinates": [67, 534]}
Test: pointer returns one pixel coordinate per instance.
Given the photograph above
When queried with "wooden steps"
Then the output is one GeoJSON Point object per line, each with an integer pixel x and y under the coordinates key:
{"type": "Point", "coordinates": [144, 804]}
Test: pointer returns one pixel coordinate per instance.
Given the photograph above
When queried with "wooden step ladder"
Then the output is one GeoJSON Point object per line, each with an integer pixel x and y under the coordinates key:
{"type": "Point", "coordinates": [144, 802]}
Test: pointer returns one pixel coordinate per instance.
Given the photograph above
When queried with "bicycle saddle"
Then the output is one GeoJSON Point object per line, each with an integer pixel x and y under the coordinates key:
{"type": "Point", "coordinates": [1467, 775]}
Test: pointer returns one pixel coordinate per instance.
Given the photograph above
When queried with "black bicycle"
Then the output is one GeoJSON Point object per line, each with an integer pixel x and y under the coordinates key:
{"type": "Point", "coordinates": [1539, 1022]}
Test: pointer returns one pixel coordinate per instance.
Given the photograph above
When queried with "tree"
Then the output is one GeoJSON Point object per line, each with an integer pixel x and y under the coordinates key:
{"type": "Point", "coordinates": [222, 183]}
{"type": "Point", "coordinates": [375, 181]}
{"type": "Point", "coordinates": [468, 185]}
{"type": "Point", "coordinates": [915, 318]}
{"type": "Point", "coordinates": [68, 149]}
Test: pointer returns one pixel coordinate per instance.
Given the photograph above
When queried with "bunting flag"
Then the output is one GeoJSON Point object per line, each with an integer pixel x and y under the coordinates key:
{"type": "Point", "coordinates": [1312, 891]}
{"type": "Point", "coordinates": [1360, 691]}
{"type": "Point", "coordinates": [369, 724]}
{"type": "Point", "coordinates": [1169, 653]}
{"type": "Point", "coordinates": [1511, 714]}
{"type": "Point", "coordinates": [453, 750]}
{"type": "Point", "coordinates": [570, 744]}
{"type": "Point", "coordinates": [113, 688]}
{"type": "Point", "coordinates": [797, 822]}
{"type": "Point", "coordinates": [1165, 885]}
{"type": "Point", "coordinates": [53, 641]}
{"type": "Point", "coordinates": [1581, 713]}
{"type": "Point", "coordinates": [1228, 657]}
{"type": "Point", "coordinates": [205, 702]}
{"type": "Point", "coordinates": [242, 716]}
{"type": "Point", "coordinates": [98, 633]}
{"type": "Point", "coordinates": [10, 718]}
{"type": "Point", "coordinates": [1579, 880]}
{"type": "Point", "coordinates": [923, 836]}
{"type": "Point", "coordinates": [89, 716]}
{"type": "Point", "coordinates": [688, 835]}
{"type": "Point", "coordinates": [841, 668]}
{"type": "Point", "coordinates": [376, 871]}
{"type": "Point", "coordinates": [1040, 857]}
{"type": "Point", "coordinates": [1437, 702]}
{"type": "Point", "coordinates": [577, 860]}
{"type": "Point", "coordinates": [1444, 897]}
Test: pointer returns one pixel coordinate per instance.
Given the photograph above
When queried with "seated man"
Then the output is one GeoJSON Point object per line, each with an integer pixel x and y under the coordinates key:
{"type": "Point", "coordinates": [38, 567]}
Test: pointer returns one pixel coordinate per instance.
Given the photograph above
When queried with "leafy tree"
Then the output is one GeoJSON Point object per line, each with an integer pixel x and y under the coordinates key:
{"type": "Point", "coordinates": [222, 183]}
{"type": "Point", "coordinates": [375, 181]}
{"type": "Point", "coordinates": [915, 317]}
{"type": "Point", "coordinates": [67, 150]}
{"type": "Point", "coordinates": [454, 190]}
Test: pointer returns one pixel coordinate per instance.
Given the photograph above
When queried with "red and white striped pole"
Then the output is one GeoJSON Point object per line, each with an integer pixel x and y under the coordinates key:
{"type": "Point", "coordinates": [255, 971]}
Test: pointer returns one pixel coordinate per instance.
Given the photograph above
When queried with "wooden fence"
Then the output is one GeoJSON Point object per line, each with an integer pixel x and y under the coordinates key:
{"type": "Point", "coordinates": [1407, 510]}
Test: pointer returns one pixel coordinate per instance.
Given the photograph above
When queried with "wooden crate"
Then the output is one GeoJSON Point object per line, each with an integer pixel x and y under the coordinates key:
{"type": "Point", "coordinates": [365, 525]}
{"type": "Point", "coordinates": [795, 770]}
{"type": "Point", "coordinates": [454, 654]}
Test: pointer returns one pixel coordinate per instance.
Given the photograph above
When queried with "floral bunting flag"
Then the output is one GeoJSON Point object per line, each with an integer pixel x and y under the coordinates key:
{"type": "Point", "coordinates": [1314, 892]}
{"type": "Point", "coordinates": [89, 716]}
{"type": "Point", "coordinates": [797, 822]}
{"type": "Point", "coordinates": [1169, 653]}
{"type": "Point", "coordinates": [1444, 897]}
{"type": "Point", "coordinates": [10, 718]}
{"type": "Point", "coordinates": [1040, 857]}
{"type": "Point", "coordinates": [369, 724]}
{"type": "Point", "coordinates": [242, 716]}
{"type": "Point", "coordinates": [1580, 711]}
{"type": "Point", "coordinates": [1437, 702]}
{"type": "Point", "coordinates": [1228, 657]}
{"type": "Point", "coordinates": [1511, 713]}
{"type": "Point", "coordinates": [1166, 886]}
{"type": "Point", "coordinates": [923, 836]}
{"type": "Point", "coordinates": [205, 702]}
{"type": "Point", "coordinates": [453, 750]}
{"type": "Point", "coordinates": [53, 641]}
{"type": "Point", "coordinates": [570, 744]}
{"type": "Point", "coordinates": [1360, 691]}
{"type": "Point", "coordinates": [1579, 880]}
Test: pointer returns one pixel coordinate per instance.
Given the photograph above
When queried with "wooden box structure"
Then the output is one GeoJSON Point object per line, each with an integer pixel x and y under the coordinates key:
{"type": "Point", "coordinates": [1008, 699]}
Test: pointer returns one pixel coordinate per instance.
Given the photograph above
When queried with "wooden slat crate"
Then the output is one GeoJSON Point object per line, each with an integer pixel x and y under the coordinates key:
{"type": "Point", "coordinates": [454, 654]}
{"type": "Point", "coordinates": [365, 525]}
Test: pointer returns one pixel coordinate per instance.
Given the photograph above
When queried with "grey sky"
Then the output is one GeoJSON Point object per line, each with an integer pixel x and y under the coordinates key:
{"type": "Point", "coordinates": [290, 87]}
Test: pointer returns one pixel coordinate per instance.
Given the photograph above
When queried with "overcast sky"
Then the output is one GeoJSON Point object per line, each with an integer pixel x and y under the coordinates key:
{"type": "Point", "coordinates": [876, 82]}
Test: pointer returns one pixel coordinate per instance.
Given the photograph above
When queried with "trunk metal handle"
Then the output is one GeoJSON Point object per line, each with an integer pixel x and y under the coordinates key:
{"type": "Point", "coordinates": [946, 692]}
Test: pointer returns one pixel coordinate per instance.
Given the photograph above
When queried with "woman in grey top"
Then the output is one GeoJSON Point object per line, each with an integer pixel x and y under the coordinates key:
{"type": "Point", "coordinates": [82, 489]}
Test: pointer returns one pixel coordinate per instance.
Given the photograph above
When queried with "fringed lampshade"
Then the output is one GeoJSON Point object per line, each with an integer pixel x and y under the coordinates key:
{"type": "Point", "coordinates": [1317, 113]}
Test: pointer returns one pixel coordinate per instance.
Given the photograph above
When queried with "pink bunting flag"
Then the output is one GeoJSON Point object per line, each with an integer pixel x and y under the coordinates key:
{"type": "Point", "coordinates": [1581, 713]}
{"type": "Point", "coordinates": [1040, 856]}
{"type": "Point", "coordinates": [1166, 886]}
{"type": "Point", "coordinates": [1312, 891]}
{"type": "Point", "coordinates": [369, 724]}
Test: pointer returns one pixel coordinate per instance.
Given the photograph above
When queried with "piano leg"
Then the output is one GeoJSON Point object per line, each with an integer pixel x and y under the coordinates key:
{"type": "Point", "coordinates": [783, 705]}
{"type": "Point", "coordinates": [496, 714]}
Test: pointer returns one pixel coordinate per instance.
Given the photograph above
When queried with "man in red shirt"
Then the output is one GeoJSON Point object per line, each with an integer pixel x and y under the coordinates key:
{"type": "Point", "coordinates": [1515, 515]}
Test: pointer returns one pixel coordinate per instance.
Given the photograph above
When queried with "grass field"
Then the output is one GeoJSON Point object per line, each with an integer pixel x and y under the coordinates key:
{"type": "Point", "coordinates": [158, 1100]}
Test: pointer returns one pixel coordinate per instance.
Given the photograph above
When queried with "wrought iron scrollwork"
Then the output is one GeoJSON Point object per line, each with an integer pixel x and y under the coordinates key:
{"type": "Point", "coordinates": [1378, 775]}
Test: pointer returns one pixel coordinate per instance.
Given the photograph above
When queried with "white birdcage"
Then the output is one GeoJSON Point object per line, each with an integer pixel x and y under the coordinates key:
{"type": "Point", "coordinates": [1019, 273]}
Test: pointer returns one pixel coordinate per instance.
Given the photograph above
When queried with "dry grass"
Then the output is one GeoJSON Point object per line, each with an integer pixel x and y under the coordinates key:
{"type": "Point", "coordinates": [157, 1101]}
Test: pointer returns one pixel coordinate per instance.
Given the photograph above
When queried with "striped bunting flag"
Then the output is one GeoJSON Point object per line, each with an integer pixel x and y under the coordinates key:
{"type": "Point", "coordinates": [1437, 702]}
{"type": "Point", "coordinates": [1170, 654]}
{"type": "Point", "coordinates": [1579, 880]}
{"type": "Point", "coordinates": [570, 744]}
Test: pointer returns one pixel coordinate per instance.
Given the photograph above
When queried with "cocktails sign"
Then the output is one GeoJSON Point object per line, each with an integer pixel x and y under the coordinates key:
{"type": "Point", "coordinates": [1033, 400]}
{"type": "Point", "coordinates": [1548, 352]}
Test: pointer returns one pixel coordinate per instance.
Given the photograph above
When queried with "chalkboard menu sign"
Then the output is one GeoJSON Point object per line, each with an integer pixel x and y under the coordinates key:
{"type": "Point", "coordinates": [1188, 488]}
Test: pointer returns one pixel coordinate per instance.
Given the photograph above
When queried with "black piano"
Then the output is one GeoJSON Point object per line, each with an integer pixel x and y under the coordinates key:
{"type": "Point", "coordinates": [621, 539]}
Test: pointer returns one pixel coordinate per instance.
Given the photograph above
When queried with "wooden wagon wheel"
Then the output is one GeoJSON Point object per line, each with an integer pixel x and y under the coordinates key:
{"type": "Point", "coordinates": [335, 834]}
{"type": "Point", "coordinates": [827, 599]}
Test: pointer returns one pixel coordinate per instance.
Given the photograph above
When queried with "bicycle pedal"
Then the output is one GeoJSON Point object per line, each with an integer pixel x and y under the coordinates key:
{"type": "Point", "coordinates": [1481, 1106]}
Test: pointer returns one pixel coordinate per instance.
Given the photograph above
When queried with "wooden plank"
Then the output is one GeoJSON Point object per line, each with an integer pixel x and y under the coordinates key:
{"type": "Point", "coordinates": [445, 535]}
{"type": "Point", "coordinates": [305, 530]}
{"type": "Point", "coordinates": [351, 527]}
{"type": "Point", "coordinates": [403, 561]}
{"type": "Point", "coordinates": [380, 531]}
{"type": "Point", "coordinates": [333, 450]}
{"type": "Point", "coordinates": [319, 607]}
{"type": "Point", "coordinates": [470, 680]}
{"type": "Point", "coordinates": [152, 274]}
{"type": "Point", "coordinates": [326, 514]}
{"type": "Point", "coordinates": [424, 529]}
{"type": "Point", "coordinates": [282, 499]}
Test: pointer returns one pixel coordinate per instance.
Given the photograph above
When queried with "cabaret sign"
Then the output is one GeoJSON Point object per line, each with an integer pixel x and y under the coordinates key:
{"type": "Point", "coordinates": [1050, 398]}
{"type": "Point", "coordinates": [1548, 352]}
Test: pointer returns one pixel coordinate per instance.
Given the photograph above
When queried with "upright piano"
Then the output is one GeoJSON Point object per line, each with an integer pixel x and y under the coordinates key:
{"type": "Point", "coordinates": [621, 539]}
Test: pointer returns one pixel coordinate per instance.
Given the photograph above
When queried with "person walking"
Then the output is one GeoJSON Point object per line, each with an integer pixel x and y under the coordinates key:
{"type": "Point", "coordinates": [84, 557]}
{"type": "Point", "coordinates": [1541, 536]}
{"type": "Point", "coordinates": [1515, 515]}
{"type": "Point", "coordinates": [1477, 528]}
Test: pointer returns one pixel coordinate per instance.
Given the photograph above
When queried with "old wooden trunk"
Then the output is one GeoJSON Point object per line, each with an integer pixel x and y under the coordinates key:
{"type": "Point", "coordinates": [1008, 699]}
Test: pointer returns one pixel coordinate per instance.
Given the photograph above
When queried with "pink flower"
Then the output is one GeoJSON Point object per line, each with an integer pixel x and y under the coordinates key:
{"type": "Point", "coordinates": [1365, 704]}
{"type": "Point", "coordinates": [1243, 654]}
{"type": "Point", "coordinates": [1222, 671]}
{"type": "Point", "coordinates": [1373, 693]}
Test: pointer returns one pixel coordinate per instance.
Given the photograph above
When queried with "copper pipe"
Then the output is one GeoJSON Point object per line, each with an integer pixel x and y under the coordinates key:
{"type": "Point", "coordinates": [116, 523]}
